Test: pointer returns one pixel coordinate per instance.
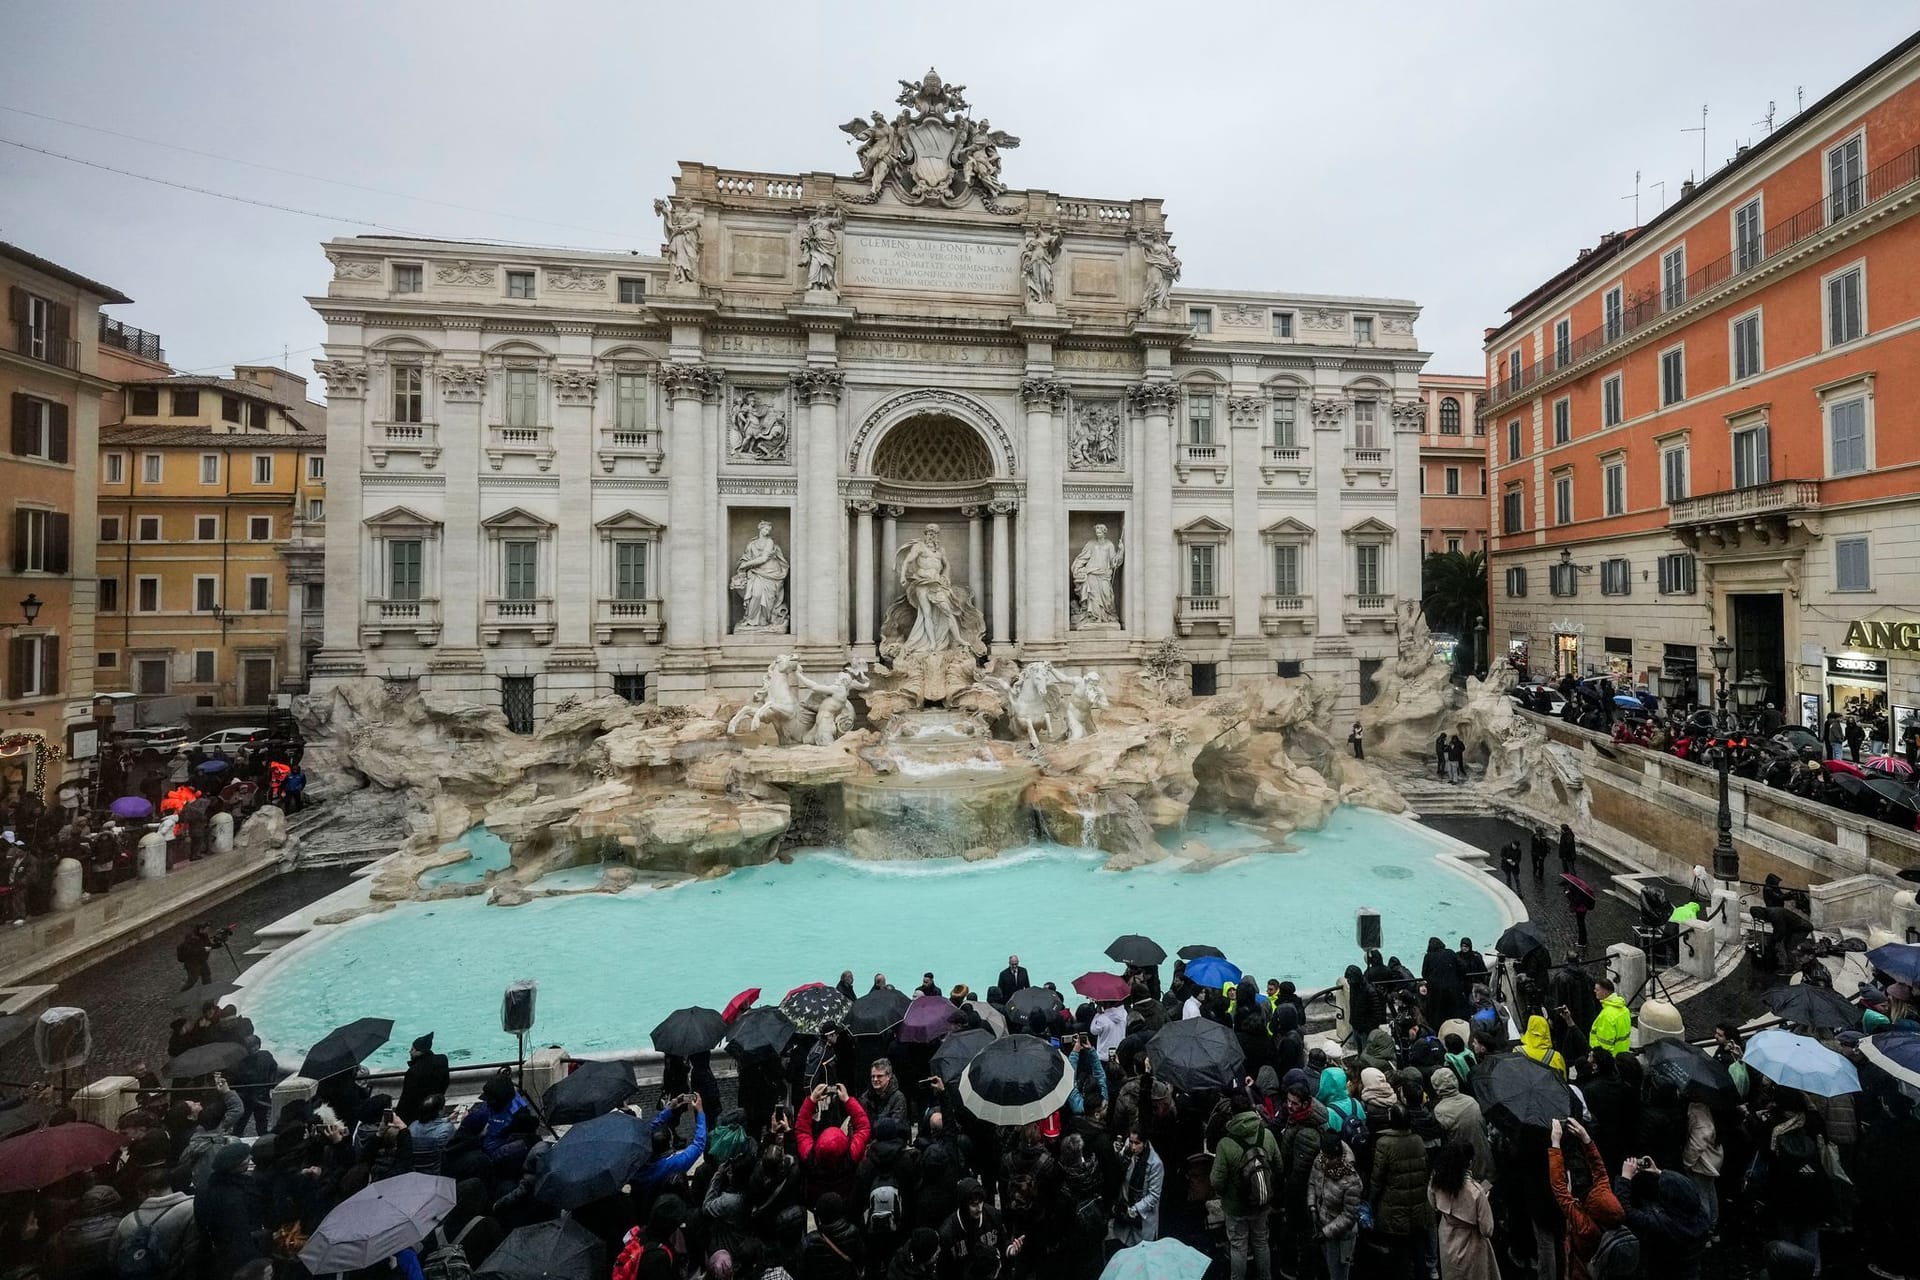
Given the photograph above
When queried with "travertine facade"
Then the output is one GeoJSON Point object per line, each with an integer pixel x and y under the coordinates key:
{"type": "Point", "coordinates": [554, 472]}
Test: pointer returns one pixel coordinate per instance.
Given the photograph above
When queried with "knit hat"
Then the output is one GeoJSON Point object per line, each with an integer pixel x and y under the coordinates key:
{"type": "Point", "coordinates": [669, 1215]}
{"type": "Point", "coordinates": [231, 1156]}
{"type": "Point", "coordinates": [1295, 1079]}
{"type": "Point", "coordinates": [425, 1043]}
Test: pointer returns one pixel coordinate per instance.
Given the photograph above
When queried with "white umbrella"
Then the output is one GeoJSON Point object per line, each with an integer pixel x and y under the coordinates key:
{"type": "Point", "coordinates": [1017, 1080]}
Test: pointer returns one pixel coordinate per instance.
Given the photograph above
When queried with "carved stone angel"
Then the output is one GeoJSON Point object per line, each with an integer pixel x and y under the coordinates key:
{"type": "Point", "coordinates": [977, 156]}
{"type": "Point", "coordinates": [879, 147]}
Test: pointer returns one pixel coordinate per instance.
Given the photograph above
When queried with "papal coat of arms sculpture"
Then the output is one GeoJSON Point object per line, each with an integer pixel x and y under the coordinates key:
{"type": "Point", "coordinates": [933, 151]}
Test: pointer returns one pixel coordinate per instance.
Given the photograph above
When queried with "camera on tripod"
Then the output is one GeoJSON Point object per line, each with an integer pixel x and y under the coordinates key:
{"type": "Point", "coordinates": [1656, 932]}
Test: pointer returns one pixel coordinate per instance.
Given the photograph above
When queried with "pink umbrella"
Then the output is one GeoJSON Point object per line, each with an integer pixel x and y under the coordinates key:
{"type": "Point", "coordinates": [927, 1019]}
{"type": "Point", "coordinates": [1892, 766]}
{"type": "Point", "coordinates": [1102, 986]}
{"type": "Point", "coordinates": [1843, 767]}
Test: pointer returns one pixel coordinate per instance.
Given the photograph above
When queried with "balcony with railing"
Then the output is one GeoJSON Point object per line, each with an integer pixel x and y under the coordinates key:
{"type": "Point", "coordinates": [1203, 611]}
{"type": "Point", "coordinates": [1282, 614]}
{"type": "Point", "coordinates": [380, 617]}
{"type": "Point", "coordinates": [40, 343]}
{"type": "Point", "coordinates": [384, 439]}
{"type": "Point", "coordinates": [499, 615]}
{"type": "Point", "coordinates": [504, 442]}
{"type": "Point", "coordinates": [1201, 456]}
{"type": "Point", "coordinates": [640, 443]}
{"type": "Point", "coordinates": [1366, 461]}
{"type": "Point", "coordinates": [135, 342]}
{"type": "Point", "coordinates": [646, 616]}
{"type": "Point", "coordinates": [1366, 612]}
{"type": "Point", "coordinates": [1891, 180]}
{"type": "Point", "coordinates": [1278, 461]}
{"type": "Point", "coordinates": [1766, 513]}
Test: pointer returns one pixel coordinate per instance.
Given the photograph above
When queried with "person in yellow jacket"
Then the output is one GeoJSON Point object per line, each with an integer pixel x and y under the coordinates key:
{"type": "Point", "coordinates": [1537, 1044]}
{"type": "Point", "coordinates": [1613, 1026]}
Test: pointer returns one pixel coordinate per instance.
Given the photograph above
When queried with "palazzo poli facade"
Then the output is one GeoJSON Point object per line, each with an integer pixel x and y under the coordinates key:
{"type": "Point", "coordinates": [555, 474]}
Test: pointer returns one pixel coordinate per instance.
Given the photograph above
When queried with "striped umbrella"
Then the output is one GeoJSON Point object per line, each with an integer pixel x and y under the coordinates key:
{"type": "Point", "coordinates": [1892, 766]}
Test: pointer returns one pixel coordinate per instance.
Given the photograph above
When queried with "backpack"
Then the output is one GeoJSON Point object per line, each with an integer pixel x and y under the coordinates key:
{"type": "Point", "coordinates": [142, 1257]}
{"type": "Point", "coordinates": [627, 1265]}
{"type": "Point", "coordinates": [884, 1210]}
{"type": "Point", "coordinates": [1256, 1175]}
{"type": "Point", "coordinates": [1353, 1125]}
{"type": "Point", "coordinates": [448, 1261]}
{"type": "Point", "coordinates": [1616, 1257]}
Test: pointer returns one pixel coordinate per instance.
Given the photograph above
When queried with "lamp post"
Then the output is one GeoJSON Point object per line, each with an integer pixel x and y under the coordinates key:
{"type": "Point", "coordinates": [1726, 859]}
{"type": "Point", "coordinates": [1480, 646]}
{"type": "Point", "coordinates": [29, 609]}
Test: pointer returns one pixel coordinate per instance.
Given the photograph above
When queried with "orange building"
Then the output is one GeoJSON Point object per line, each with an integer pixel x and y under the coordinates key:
{"type": "Point", "coordinates": [1453, 464]}
{"type": "Point", "coordinates": [1703, 426]}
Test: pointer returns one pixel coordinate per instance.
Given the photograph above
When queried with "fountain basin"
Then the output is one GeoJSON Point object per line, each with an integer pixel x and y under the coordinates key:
{"type": "Point", "coordinates": [951, 810]}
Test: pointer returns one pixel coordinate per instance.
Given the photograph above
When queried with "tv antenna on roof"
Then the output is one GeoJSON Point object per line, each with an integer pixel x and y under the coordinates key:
{"type": "Point", "coordinates": [1635, 197]}
{"type": "Point", "coordinates": [1768, 120]}
{"type": "Point", "coordinates": [1662, 184]}
{"type": "Point", "coordinates": [1702, 131]}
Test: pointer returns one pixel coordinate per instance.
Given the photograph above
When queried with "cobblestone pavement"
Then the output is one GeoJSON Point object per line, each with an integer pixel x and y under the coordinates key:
{"type": "Point", "coordinates": [126, 995]}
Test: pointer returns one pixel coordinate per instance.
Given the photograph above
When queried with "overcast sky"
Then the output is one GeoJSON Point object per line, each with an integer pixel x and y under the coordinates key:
{"type": "Point", "coordinates": [1455, 153]}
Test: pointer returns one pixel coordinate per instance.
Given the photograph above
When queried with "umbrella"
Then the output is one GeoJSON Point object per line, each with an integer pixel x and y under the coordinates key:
{"type": "Point", "coordinates": [1199, 949]}
{"type": "Point", "coordinates": [1163, 1259]}
{"type": "Point", "coordinates": [1580, 886]}
{"type": "Point", "coordinates": [205, 1059]}
{"type": "Point", "coordinates": [593, 1089]}
{"type": "Point", "coordinates": [1800, 1062]}
{"type": "Point", "coordinates": [685, 1032]}
{"type": "Point", "coordinates": [1892, 766]}
{"type": "Point", "coordinates": [131, 807]}
{"type": "Point", "coordinates": [1018, 1080]}
{"type": "Point", "coordinates": [1692, 1073]}
{"type": "Point", "coordinates": [378, 1221]}
{"type": "Point", "coordinates": [740, 1004]}
{"type": "Point", "coordinates": [1843, 768]}
{"type": "Point", "coordinates": [1810, 1006]}
{"type": "Point", "coordinates": [593, 1160]}
{"type": "Point", "coordinates": [216, 766]}
{"type": "Point", "coordinates": [1630, 703]}
{"type": "Point", "coordinates": [194, 998]}
{"type": "Point", "coordinates": [813, 1006]}
{"type": "Point", "coordinates": [1892, 790]}
{"type": "Point", "coordinates": [344, 1048]}
{"type": "Point", "coordinates": [927, 1019]}
{"type": "Point", "coordinates": [17, 1115]}
{"type": "Point", "coordinates": [1212, 972]}
{"type": "Point", "coordinates": [764, 1031]}
{"type": "Point", "coordinates": [1898, 960]}
{"type": "Point", "coordinates": [995, 1020]}
{"type": "Point", "coordinates": [1197, 1053]}
{"type": "Point", "coordinates": [957, 1050]}
{"type": "Point", "coordinates": [1895, 1052]}
{"type": "Point", "coordinates": [558, 1250]}
{"type": "Point", "coordinates": [1135, 950]}
{"type": "Point", "coordinates": [1102, 986]}
{"type": "Point", "coordinates": [13, 1026]}
{"type": "Point", "coordinates": [1029, 999]}
{"type": "Point", "coordinates": [1515, 1088]}
{"type": "Point", "coordinates": [877, 1012]}
{"type": "Point", "coordinates": [236, 792]}
{"type": "Point", "coordinates": [1520, 941]}
{"type": "Point", "coordinates": [42, 1157]}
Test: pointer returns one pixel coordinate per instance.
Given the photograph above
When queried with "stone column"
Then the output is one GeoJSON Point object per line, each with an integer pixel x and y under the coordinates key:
{"type": "Point", "coordinates": [573, 587]}
{"type": "Point", "coordinates": [820, 529]}
{"type": "Point", "coordinates": [976, 552]}
{"type": "Point", "coordinates": [863, 573]}
{"type": "Point", "coordinates": [1002, 574]}
{"type": "Point", "coordinates": [293, 663]}
{"type": "Point", "coordinates": [889, 551]}
{"type": "Point", "coordinates": [1245, 414]}
{"type": "Point", "coordinates": [461, 577]}
{"type": "Point", "coordinates": [688, 500]}
{"type": "Point", "coordinates": [1041, 545]}
{"type": "Point", "coordinates": [1158, 584]}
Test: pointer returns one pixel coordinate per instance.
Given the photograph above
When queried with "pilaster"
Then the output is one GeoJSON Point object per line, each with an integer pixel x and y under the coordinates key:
{"type": "Point", "coordinates": [1041, 544]}
{"type": "Point", "coordinates": [1245, 416]}
{"type": "Point", "coordinates": [820, 520]}
{"type": "Point", "coordinates": [1155, 400]}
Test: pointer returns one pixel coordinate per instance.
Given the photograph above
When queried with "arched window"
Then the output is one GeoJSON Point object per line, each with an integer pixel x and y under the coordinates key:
{"type": "Point", "coordinates": [1449, 417]}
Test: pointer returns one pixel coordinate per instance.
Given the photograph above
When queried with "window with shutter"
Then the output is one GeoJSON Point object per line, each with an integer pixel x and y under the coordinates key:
{"type": "Point", "coordinates": [59, 555]}
{"type": "Point", "coordinates": [56, 432]}
{"type": "Point", "coordinates": [1847, 425]}
{"type": "Point", "coordinates": [17, 667]}
{"type": "Point", "coordinates": [49, 666]}
{"type": "Point", "coordinates": [1851, 565]}
{"type": "Point", "coordinates": [230, 409]}
{"type": "Point", "coordinates": [21, 442]}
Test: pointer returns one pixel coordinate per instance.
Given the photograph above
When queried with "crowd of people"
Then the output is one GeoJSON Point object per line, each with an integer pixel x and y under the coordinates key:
{"type": "Point", "coordinates": [1368, 1151]}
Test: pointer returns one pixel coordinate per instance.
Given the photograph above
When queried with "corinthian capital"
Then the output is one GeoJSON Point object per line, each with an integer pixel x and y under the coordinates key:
{"type": "Point", "coordinates": [343, 378]}
{"type": "Point", "coordinates": [1153, 397]}
{"type": "Point", "coordinates": [1043, 393]}
{"type": "Point", "coordinates": [1246, 410]}
{"type": "Point", "coordinates": [819, 386]}
{"type": "Point", "coordinates": [684, 380]}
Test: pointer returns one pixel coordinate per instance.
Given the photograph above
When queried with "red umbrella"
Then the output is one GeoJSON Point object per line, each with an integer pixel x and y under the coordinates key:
{"type": "Point", "coordinates": [1580, 886]}
{"type": "Point", "coordinates": [1102, 986]}
{"type": "Point", "coordinates": [805, 986]}
{"type": "Point", "coordinates": [44, 1156]}
{"type": "Point", "coordinates": [740, 1004]}
{"type": "Point", "coordinates": [1843, 767]}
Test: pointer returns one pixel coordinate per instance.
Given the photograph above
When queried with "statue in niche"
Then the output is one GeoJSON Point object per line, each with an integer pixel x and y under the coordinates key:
{"type": "Point", "coordinates": [683, 240]}
{"type": "Point", "coordinates": [1095, 443]}
{"type": "Point", "coordinates": [760, 577]}
{"type": "Point", "coordinates": [1093, 573]}
{"type": "Point", "coordinates": [1086, 694]}
{"type": "Point", "coordinates": [1163, 268]}
{"type": "Point", "coordinates": [833, 715]}
{"type": "Point", "coordinates": [759, 430]}
{"type": "Point", "coordinates": [820, 246]}
{"type": "Point", "coordinates": [930, 615]}
{"type": "Point", "coordinates": [1037, 257]}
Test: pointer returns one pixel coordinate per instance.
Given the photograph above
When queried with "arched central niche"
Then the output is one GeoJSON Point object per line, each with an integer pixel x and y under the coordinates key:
{"type": "Point", "coordinates": [932, 448]}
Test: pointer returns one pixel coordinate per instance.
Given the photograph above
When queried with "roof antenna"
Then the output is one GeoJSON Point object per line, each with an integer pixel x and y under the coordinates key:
{"type": "Point", "coordinates": [1662, 184]}
{"type": "Point", "coordinates": [1635, 197]}
{"type": "Point", "coordinates": [1768, 121]}
{"type": "Point", "coordinates": [1702, 131]}
{"type": "Point", "coordinates": [1799, 98]}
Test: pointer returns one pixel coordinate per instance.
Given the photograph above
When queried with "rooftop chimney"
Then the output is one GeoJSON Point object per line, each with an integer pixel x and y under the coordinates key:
{"type": "Point", "coordinates": [1686, 189]}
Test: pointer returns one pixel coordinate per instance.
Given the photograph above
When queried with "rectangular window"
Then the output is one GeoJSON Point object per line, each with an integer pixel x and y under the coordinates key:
{"type": "Point", "coordinates": [256, 416]}
{"type": "Point", "coordinates": [33, 427]}
{"type": "Point", "coordinates": [203, 666]}
{"type": "Point", "coordinates": [109, 595]}
{"type": "Point", "coordinates": [263, 468]}
{"type": "Point", "coordinates": [629, 571]}
{"type": "Point", "coordinates": [1613, 306]}
{"type": "Point", "coordinates": [39, 541]}
{"type": "Point", "coordinates": [1365, 425]}
{"type": "Point", "coordinates": [109, 528]}
{"type": "Point", "coordinates": [523, 404]}
{"type": "Point", "coordinates": [1673, 474]}
{"type": "Point", "coordinates": [630, 685]}
{"type": "Point", "coordinates": [519, 562]}
{"type": "Point", "coordinates": [1366, 569]}
{"type": "Point", "coordinates": [107, 660]}
{"type": "Point", "coordinates": [1562, 342]}
{"type": "Point", "coordinates": [1616, 577]}
{"type": "Point", "coordinates": [1285, 418]}
{"type": "Point", "coordinates": [147, 595]}
{"type": "Point", "coordinates": [1286, 569]}
{"type": "Point", "coordinates": [629, 402]}
{"type": "Point", "coordinates": [259, 593]}
{"type": "Point", "coordinates": [205, 594]}
{"type": "Point", "coordinates": [316, 467]}
{"type": "Point", "coordinates": [116, 468]}
{"type": "Point", "coordinates": [316, 508]}
{"type": "Point", "coordinates": [1289, 668]}
{"type": "Point", "coordinates": [1453, 482]}
{"type": "Point", "coordinates": [519, 284]}
{"type": "Point", "coordinates": [1846, 178]}
{"type": "Point", "coordinates": [1846, 307]}
{"type": "Point", "coordinates": [186, 404]}
{"type": "Point", "coordinates": [403, 569]}
{"type": "Point", "coordinates": [1612, 402]}
{"type": "Point", "coordinates": [144, 402]}
{"type": "Point", "coordinates": [1563, 499]}
{"type": "Point", "coordinates": [149, 468]}
{"type": "Point", "coordinates": [1852, 570]}
{"type": "Point", "coordinates": [1563, 579]}
{"type": "Point", "coordinates": [1747, 236]}
{"type": "Point", "coordinates": [1751, 463]}
{"type": "Point", "coordinates": [1510, 511]}
{"type": "Point", "coordinates": [1746, 346]}
{"type": "Point", "coordinates": [1283, 324]}
{"type": "Point", "coordinates": [1676, 574]}
{"type": "Point", "coordinates": [35, 667]}
{"type": "Point", "coordinates": [1847, 428]}
{"type": "Point", "coordinates": [1199, 419]}
{"type": "Point", "coordinates": [149, 528]}
{"type": "Point", "coordinates": [1423, 489]}
{"type": "Point", "coordinates": [1513, 440]}
{"type": "Point", "coordinates": [209, 468]}
{"type": "Point", "coordinates": [1201, 318]}
{"type": "Point", "coordinates": [1454, 546]}
{"type": "Point", "coordinates": [230, 409]}
{"type": "Point", "coordinates": [409, 393]}
{"type": "Point", "coordinates": [1562, 420]}
{"type": "Point", "coordinates": [1613, 478]}
{"type": "Point", "coordinates": [1200, 564]}
{"type": "Point", "coordinates": [1517, 582]}
{"type": "Point", "coordinates": [633, 289]}
{"type": "Point", "coordinates": [1673, 277]}
{"type": "Point", "coordinates": [1363, 331]}
{"type": "Point", "coordinates": [408, 278]}
{"type": "Point", "coordinates": [206, 528]}
{"type": "Point", "coordinates": [259, 528]}
{"type": "Point", "coordinates": [1513, 369]}
{"type": "Point", "coordinates": [1673, 376]}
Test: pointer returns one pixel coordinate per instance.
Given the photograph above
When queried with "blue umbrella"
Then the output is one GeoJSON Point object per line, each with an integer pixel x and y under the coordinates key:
{"type": "Point", "coordinates": [1898, 960]}
{"type": "Point", "coordinates": [594, 1160]}
{"type": "Point", "coordinates": [1801, 1062]}
{"type": "Point", "coordinates": [1212, 972]}
{"type": "Point", "coordinates": [1631, 703]}
{"type": "Point", "coordinates": [214, 766]}
{"type": "Point", "coordinates": [1166, 1259]}
{"type": "Point", "coordinates": [1895, 1052]}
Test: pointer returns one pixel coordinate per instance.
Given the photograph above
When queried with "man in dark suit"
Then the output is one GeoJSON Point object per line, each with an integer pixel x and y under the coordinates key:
{"type": "Point", "coordinates": [1013, 978]}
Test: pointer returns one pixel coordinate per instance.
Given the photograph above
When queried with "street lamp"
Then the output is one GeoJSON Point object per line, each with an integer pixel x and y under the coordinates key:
{"type": "Point", "coordinates": [1480, 647]}
{"type": "Point", "coordinates": [1726, 859]}
{"type": "Point", "coordinates": [29, 609]}
{"type": "Point", "coordinates": [1670, 686]}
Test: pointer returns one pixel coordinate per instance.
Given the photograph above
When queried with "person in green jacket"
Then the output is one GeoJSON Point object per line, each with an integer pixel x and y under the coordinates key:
{"type": "Point", "coordinates": [1246, 1217]}
{"type": "Point", "coordinates": [1613, 1026]}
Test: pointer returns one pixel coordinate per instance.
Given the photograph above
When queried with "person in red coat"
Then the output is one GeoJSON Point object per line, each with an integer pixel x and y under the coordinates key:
{"type": "Point", "coordinates": [829, 1152]}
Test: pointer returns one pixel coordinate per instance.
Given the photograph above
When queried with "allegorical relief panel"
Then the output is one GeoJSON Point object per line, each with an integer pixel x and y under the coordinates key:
{"type": "Point", "coordinates": [1093, 435]}
{"type": "Point", "coordinates": [759, 424]}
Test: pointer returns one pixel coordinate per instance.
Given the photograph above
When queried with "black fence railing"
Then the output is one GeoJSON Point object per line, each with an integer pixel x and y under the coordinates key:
{"type": "Point", "coordinates": [131, 340]}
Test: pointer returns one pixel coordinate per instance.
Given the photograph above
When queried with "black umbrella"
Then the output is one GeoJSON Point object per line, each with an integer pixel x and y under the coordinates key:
{"type": "Point", "coordinates": [1197, 950]}
{"type": "Point", "coordinates": [1197, 1053]}
{"type": "Point", "coordinates": [344, 1048]}
{"type": "Point", "coordinates": [1018, 1080]}
{"type": "Point", "coordinates": [17, 1115]}
{"type": "Point", "coordinates": [1693, 1075]}
{"type": "Point", "coordinates": [1136, 950]}
{"type": "Point", "coordinates": [13, 1026]}
{"type": "Point", "coordinates": [558, 1250]}
{"type": "Point", "coordinates": [1516, 1089]}
{"type": "Point", "coordinates": [763, 1032]}
{"type": "Point", "coordinates": [193, 999]}
{"type": "Point", "coordinates": [813, 1006]}
{"type": "Point", "coordinates": [1817, 1007]}
{"type": "Point", "coordinates": [685, 1032]}
{"type": "Point", "coordinates": [1520, 941]}
{"type": "Point", "coordinates": [1028, 999]}
{"type": "Point", "coordinates": [593, 1160]}
{"type": "Point", "coordinates": [204, 1060]}
{"type": "Point", "coordinates": [593, 1089]}
{"type": "Point", "coordinates": [878, 1012]}
{"type": "Point", "coordinates": [957, 1050]}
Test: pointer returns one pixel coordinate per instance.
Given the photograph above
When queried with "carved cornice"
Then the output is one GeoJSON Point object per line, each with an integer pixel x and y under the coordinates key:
{"type": "Point", "coordinates": [631, 483]}
{"type": "Point", "coordinates": [575, 327]}
{"type": "Point", "coordinates": [344, 380]}
{"type": "Point", "coordinates": [462, 381]}
{"type": "Point", "coordinates": [464, 324]}
{"type": "Point", "coordinates": [1327, 413]}
{"type": "Point", "coordinates": [464, 274]}
{"type": "Point", "coordinates": [1409, 415]}
{"type": "Point", "coordinates": [1097, 492]}
{"type": "Point", "coordinates": [1246, 411]}
{"type": "Point", "coordinates": [349, 318]}
{"type": "Point", "coordinates": [687, 381]}
{"type": "Point", "coordinates": [576, 280]}
{"type": "Point", "coordinates": [575, 386]}
{"type": "Point", "coordinates": [819, 386]}
{"type": "Point", "coordinates": [1043, 393]}
{"type": "Point", "coordinates": [1153, 397]}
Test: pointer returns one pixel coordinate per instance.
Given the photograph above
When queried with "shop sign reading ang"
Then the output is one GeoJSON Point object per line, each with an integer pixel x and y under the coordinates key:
{"type": "Point", "coordinates": [1871, 633]}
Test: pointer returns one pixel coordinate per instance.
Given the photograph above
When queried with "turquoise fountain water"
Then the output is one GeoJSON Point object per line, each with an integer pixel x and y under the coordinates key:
{"type": "Point", "coordinates": [611, 966]}
{"type": "Point", "coordinates": [485, 852]}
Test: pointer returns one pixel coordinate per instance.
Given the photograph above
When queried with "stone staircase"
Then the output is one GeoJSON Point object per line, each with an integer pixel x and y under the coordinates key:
{"type": "Point", "coordinates": [1429, 795]}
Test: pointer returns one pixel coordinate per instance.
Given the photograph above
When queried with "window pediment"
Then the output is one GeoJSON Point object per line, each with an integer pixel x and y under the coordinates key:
{"type": "Point", "coordinates": [1371, 527]}
{"type": "Point", "coordinates": [1204, 529]}
{"type": "Point", "coordinates": [629, 524]}
{"type": "Point", "coordinates": [1287, 529]}
{"type": "Point", "coordinates": [401, 522]}
{"type": "Point", "coordinates": [516, 520]}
